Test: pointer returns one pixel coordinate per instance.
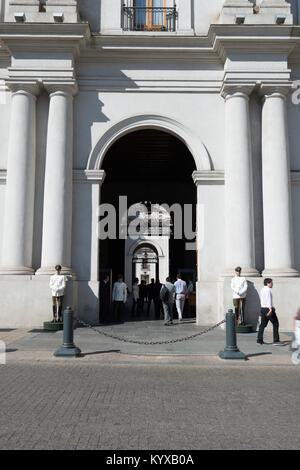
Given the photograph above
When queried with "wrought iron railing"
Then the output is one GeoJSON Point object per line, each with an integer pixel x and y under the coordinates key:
{"type": "Point", "coordinates": [149, 19]}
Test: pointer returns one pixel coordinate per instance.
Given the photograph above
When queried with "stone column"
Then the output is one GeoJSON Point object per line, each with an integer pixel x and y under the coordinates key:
{"type": "Point", "coordinates": [278, 230]}
{"type": "Point", "coordinates": [19, 198]}
{"type": "Point", "coordinates": [57, 215]}
{"type": "Point", "coordinates": [239, 232]}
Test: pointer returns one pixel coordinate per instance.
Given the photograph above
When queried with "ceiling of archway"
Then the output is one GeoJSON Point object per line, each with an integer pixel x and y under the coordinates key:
{"type": "Point", "coordinates": [148, 155]}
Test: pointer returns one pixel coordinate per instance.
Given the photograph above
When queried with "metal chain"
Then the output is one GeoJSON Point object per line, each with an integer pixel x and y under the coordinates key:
{"type": "Point", "coordinates": [148, 343]}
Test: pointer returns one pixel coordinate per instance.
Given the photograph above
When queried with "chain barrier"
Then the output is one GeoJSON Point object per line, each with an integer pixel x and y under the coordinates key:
{"type": "Point", "coordinates": [150, 343]}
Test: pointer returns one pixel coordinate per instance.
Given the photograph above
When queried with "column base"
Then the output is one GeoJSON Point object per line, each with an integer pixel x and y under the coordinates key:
{"type": "Point", "coordinates": [246, 272]}
{"type": "Point", "coordinates": [284, 272]}
{"type": "Point", "coordinates": [50, 270]}
{"type": "Point", "coordinates": [16, 270]}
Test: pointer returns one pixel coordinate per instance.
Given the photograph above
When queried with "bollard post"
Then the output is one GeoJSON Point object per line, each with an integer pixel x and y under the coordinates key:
{"type": "Point", "coordinates": [68, 347]}
{"type": "Point", "coordinates": [231, 350]}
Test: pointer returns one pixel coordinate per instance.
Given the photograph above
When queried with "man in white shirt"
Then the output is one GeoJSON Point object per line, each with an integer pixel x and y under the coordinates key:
{"type": "Point", "coordinates": [57, 285]}
{"type": "Point", "coordinates": [119, 297]}
{"type": "Point", "coordinates": [268, 313]}
{"type": "Point", "coordinates": [239, 288]}
{"type": "Point", "coordinates": [180, 294]}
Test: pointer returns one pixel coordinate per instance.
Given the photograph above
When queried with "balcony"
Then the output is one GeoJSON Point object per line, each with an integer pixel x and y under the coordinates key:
{"type": "Point", "coordinates": [149, 19]}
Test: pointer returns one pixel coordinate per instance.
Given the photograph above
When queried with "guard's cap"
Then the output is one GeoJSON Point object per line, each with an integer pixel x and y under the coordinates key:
{"type": "Point", "coordinates": [58, 267]}
{"type": "Point", "coordinates": [238, 269]}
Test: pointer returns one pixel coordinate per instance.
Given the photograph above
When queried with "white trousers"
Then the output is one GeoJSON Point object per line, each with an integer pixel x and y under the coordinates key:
{"type": "Point", "coordinates": [180, 299]}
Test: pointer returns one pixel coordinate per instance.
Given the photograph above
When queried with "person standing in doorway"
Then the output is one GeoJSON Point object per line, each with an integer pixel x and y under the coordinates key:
{"type": "Point", "coordinates": [57, 285]}
{"type": "Point", "coordinates": [239, 288]}
{"type": "Point", "coordinates": [190, 289]}
{"type": "Point", "coordinates": [167, 295]}
{"type": "Point", "coordinates": [135, 297]}
{"type": "Point", "coordinates": [142, 295]}
{"type": "Point", "coordinates": [157, 301]}
{"type": "Point", "coordinates": [119, 297]}
{"type": "Point", "coordinates": [104, 298]}
{"type": "Point", "coordinates": [150, 294]}
{"type": "Point", "coordinates": [180, 294]}
{"type": "Point", "coordinates": [268, 313]}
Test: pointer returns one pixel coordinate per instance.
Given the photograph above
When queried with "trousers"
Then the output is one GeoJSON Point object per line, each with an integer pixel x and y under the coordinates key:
{"type": "Point", "coordinates": [168, 311]}
{"type": "Point", "coordinates": [264, 322]}
{"type": "Point", "coordinates": [180, 299]}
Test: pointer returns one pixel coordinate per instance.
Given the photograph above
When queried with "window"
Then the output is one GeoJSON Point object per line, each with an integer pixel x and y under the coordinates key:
{"type": "Point", "coordinates": [149, 15]}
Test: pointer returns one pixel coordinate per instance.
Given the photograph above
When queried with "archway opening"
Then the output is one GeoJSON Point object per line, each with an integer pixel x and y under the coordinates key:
{"type": "Point", "coordinates": [155, 167]}
{"type": "Point", "coordinates": [145, 264]}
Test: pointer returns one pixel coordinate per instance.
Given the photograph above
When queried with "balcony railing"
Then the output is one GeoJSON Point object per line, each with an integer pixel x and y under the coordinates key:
{"type": "Point", "coordinates": [149, 19]}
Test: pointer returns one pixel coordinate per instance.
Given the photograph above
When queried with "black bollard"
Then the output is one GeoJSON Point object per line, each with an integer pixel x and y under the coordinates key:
{"type": "Point", "coordinates": [231, 350]}
{"type": "Point", "coordinates": [68, 347]}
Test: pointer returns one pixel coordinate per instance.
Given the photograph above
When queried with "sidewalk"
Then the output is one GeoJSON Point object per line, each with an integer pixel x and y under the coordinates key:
{"type": "Point", "coordinates": [39, 346]}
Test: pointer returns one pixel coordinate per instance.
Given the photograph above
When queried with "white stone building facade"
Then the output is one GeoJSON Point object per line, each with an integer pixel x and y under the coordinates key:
{"type": "Point", "coordinates": [218, 76]}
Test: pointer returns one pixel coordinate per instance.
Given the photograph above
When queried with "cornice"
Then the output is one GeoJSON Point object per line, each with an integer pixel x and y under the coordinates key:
{"type": "Point", "coordinates": [44, 36]}
{"type": "Point", "coordinates": [215, 47]}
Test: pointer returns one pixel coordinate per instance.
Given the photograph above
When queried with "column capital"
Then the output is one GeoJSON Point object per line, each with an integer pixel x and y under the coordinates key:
{"type": "Point", "coordinates": [268, 90]}
{"type": "Point", "coordinates": [232, 90]}
{"type": "Point", "coordinates": [64, 88]}
{"type": "Point", "coordinates": [31, 87]}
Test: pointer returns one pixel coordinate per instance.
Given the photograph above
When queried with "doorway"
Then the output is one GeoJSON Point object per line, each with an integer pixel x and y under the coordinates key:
{"type": "Point", "coordinates": [155, 167]}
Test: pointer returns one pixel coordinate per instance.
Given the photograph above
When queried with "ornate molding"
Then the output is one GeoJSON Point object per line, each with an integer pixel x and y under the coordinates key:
{"type": "Point", "coordinates": [33, 87]}
{"type": "Point", "coordinates": [64, 87]}
{"type": "Point", "coordinates": [88, 176]}
{"type": "Point", "coordinates": [3, 176]}
{"type": "Point", "coordinates": [213, 177]}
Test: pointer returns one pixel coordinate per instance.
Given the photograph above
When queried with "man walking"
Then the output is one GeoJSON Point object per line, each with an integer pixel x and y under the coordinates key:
{"type": "Point", "coordinates": [239, 288]}
{"type": "Point", "coordinates": [268, 313]}
{"type": "Point", "coordinates": [57, 285]}
{"type": "Point", "coordinates": [167, 294]}
{"type": "Point", "coordinates": [180, 293]}
{"type": "Point", "coordinates": [119, 297]}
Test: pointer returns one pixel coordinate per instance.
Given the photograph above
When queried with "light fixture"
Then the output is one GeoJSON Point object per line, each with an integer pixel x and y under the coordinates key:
{"type": "Point", "coordinates": [280, 19]}
{"type": "Point", "coordinates": [58, 17]}
{"type": "Point", "coordinates": [19, 17]}
{"type": "Point", "coordinates": [240, 19]}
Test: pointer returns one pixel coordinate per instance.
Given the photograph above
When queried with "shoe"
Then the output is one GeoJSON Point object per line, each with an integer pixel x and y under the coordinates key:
{"type": "Point", "coordinates": [167, 324]}
{"type": "Point", "coordinates": [278, 343]}
{"type": "Point", "coordinates": [260, 342]}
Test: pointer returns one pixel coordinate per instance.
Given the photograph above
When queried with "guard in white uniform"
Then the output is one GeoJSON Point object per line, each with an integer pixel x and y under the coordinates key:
{"type": "Point", "coordinates": [239, 288]}
{"type": "Point", "coordinates": [57, 285]}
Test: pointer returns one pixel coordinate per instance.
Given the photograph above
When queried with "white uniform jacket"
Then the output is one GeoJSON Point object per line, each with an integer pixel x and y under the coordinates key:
{"type": "Point", "coordinates": [57, 285]}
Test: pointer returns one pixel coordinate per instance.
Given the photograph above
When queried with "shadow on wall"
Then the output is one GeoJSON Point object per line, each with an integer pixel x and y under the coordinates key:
{"type": "Point", "coordinates": [89, 109]}
{"type": "Point", "coordinates": [88, 302]}
{"type": "Point", "coordinates": [252, 310]}
{"type": "Point", "coordinates": [90, 10]}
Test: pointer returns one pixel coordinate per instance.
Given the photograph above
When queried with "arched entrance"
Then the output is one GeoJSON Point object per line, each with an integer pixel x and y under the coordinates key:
{"type": "Point", "coordinates": [145, 264]}
{"type": "Point", "coordinates": [156, 167]}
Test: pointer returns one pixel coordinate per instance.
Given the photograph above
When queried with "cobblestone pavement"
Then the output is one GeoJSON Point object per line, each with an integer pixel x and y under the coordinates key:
{"type": "Point", "coordinates": [36, 345]}
{"type": "Point", "coordinates": [121, 407]}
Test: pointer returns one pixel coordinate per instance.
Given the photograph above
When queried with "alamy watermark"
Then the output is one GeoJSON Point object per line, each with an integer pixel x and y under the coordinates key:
{"type": "Point", "coordinates": [295, 96]}
{"type": "Point", "coordinates": [147, 220]}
